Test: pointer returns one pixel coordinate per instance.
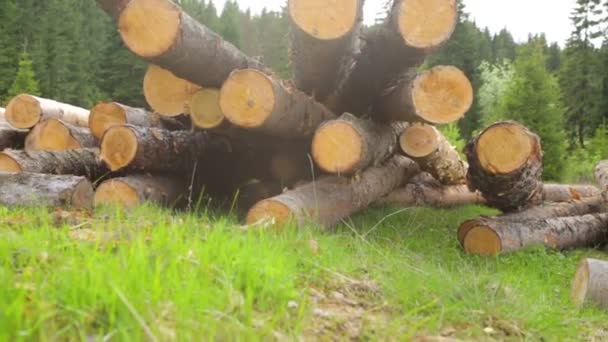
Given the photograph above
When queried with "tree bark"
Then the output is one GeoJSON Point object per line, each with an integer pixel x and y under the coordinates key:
{"type": "Point", "coordinates": [32, 189]}
{"type": "Point", "coordinates": [587, 206]}
{"type": "Point", "coordinates": [112, 7]}
{"type": "Point", "coordinates": [414, 29]}
{"type": "Point", "coordinates": [434, 153]}
{"type": "Point", "coordinates": [440, 95]}
{"type": "Point", "coordinates": [505, 165]}
{"type": "Point", "coordinates": [163, 34]}
{"type": "Point", "coordinates": [156, 150]}
{"type": "Point", "coordinates": [428, 195]}
{"type": "Point", "coordinates": [25, 111]}
{"type": "Point", "coordinates": [10, 137]}
{"type": "Point", "coordinates": [55, 135]}
{"type": "Point", "coordinates": [331, 199]}
{"type": "Point", "coordinates": [601, 175]}
{"type": "Point", "coordinates": [135, 190]}
{"type": "Point", "coordinates": [254, 100]}
{"type": "Point", "coordinates": [567, 193]}
{"type": "Point", "coordinates": [590, 285]}
{"type": "Point", "coordinates": [324, 39]}
{"type": "Point", "coordinates": [81, 162]}
{"type": "Point", "coordinates": [109, 114]}
{"type": "Point", "coordinates": [348, 144]}
{"type": "Point", "coordinates": [492, 236]}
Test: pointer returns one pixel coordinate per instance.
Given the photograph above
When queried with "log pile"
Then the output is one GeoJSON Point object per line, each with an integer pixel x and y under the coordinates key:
{"type": "Point", "coordinates": [358, 126]}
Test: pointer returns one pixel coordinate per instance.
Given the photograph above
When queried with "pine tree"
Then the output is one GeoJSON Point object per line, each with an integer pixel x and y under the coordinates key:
{"type": "Point", "coordinates": [230, 23]}
{"type": "Point", "coordinates": [533, 98]}
{"type": "Point", "coordinates": [25, 82]}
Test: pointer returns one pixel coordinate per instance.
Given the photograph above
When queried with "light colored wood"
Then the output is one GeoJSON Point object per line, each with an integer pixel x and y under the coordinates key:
{"type": "Point", "coordinates": [25, 111]}
{"type": "Point", "coordinates": [56, 135]}
{"type": "Point", "coordinates": [105, 115]}
{"type": "Point", "coordinates": [166, 93]}
{"type": "Point", "coordinates": [252, 99]}
{"type": "Point", "coordinates": [205, 110]}
{"type": "Point", "coordinates": [134, 190]}
{"type": "Point", "coordinates": [434, 153]}
{"type": "Point", "coordinates": [440, 95]}
{"type": "Point", "coordinates": [163, 34]}
{"type": "Point", "coordinates": [590, 284]}
{"type": "Point", "coordinates": [331, 199]}
{"type": "Point", "coordinates": [323, 42]}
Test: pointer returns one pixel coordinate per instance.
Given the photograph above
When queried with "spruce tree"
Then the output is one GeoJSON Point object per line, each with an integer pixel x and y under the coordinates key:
{"type": "Point", "coordinates": [25, 81]}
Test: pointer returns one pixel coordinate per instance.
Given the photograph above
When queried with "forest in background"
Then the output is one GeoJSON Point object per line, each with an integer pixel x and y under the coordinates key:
{"type": "Point", "coordinates": [71, 52]}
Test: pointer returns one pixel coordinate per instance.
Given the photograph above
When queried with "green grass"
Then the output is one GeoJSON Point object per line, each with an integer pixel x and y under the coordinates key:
{"type": "Point", "coordinates": [152, 275]}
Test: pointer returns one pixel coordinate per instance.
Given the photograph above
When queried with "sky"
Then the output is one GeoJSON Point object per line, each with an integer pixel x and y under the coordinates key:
{"type": "Point", "coordinates": [521, 17]}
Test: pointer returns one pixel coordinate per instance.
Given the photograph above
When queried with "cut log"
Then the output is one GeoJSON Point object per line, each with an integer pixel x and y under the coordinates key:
{"type": "Point", "coordinates": [567, 193]}
{"type": "Point", "coordinates": [253, 100]}
{"type": "Point", "coordinates": [590, 285]}
{"type": "Point", "coordinates": [163, 34]}
{"type": "Point", "coordinates": [33, 189]}
{"type": "Point", "coordinates": [25, 111]}
{"type": "Point", "coordinates": [587, 206]}
{"type": "Point", "coordinates": [349, 144]}
{"type": "Point", "coordinates": [135, 190]}
{"type": "Point", "coordinates": [156, 150]}
{"type": "Point", "coordinates": [10, 137]}
{"type": "Point", "coordinates": [324, 42]}
{"type": "Point", "coordinates": [55, 135]}
{"type": "Point", "coordinates": [601, 175]}
{"type": "Point", "coordinates": [492, 236]}
{"type": "Point", "coordinates": [428, 195]}
{"type": "Point", "coordinates": [109, 114]}
{"type": "Point", "coordinates": [505, 165]}
{"type": "Point", "coordinates": [440, 95]}
{"type": "Point", "coordinates": [413, 29]}
{"type": "Point", "coordinates": [112, 7]}
{"type": "Point", "coordinates": [332, 199]}
{"type": "Point", "coordinates": [205, 110]}
{"type": "Point", "coordinates": [434, 153]}
{"type": "Point", "coordinates": [166, 93]}
{"type": "Point", "coordinates": [81, 162]}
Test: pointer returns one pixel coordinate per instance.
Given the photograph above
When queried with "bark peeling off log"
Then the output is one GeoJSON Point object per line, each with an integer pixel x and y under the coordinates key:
{"type": "Point", "coordinates": [32, 189]}
{"type": "Point", "coordinates": [505, 164]}
{"type": "Point", "coordinates": [331, 199]}
{"type": "Point", "coordinates": [324, 42]}
{"type": "Point", "coordinates": [25, 111]}
{"type": "Point", "coordinates": [254, 100]}
{"type": "Point", "coordinates": [487, 236]}
{"type": "Point", "coordinates": [163, 34]}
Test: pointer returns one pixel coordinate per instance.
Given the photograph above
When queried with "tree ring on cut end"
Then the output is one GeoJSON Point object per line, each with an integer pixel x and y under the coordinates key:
{"type": "Point", "coordinates": [419, 141]}
{"type": "Point", "coordinates": [104, 116]}
{"type": "Point", "coordinates": [427, 24]}
{"type": "Point", "coordinates": [119, 147]}
{"type": "Point", "coordinates": [505, 148]}
{"type": "Point", "coordinates": [9, 164]}
{"type": "Point", "coordinates": [23, 111]}
{"type": "Point", "coordinates": [482, 240]}
{"type": "Point", "coordinates": [269, 210]}
{"type": "Point", "coordinates": [247, 98]}
{"type": "Point", "coordinates": [325, 20]}
{"type": "Point", "coordinates": [205, 110]}
{"type": "Point", "coordinates": [337, 147]}
{"type": "Point", "coordinates": [116, 192]}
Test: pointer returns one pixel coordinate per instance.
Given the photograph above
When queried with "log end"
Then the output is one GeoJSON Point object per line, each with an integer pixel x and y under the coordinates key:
{"type": "Point", "coordinates": [114, 192]}
{"type": "Point", "coordinates": [150, 27]}
{"type": "Point", "coordinates": [205, 110]}
{"type": "Point", "coordinates": [51, 135]}
{"type": "Point", "coordinates": [166, 93]}
{"type": "Point", "coordinates": [427, 24]}
{"type": "Point", "coordinates": [105, 115]}
{"type": "Point", "coordinates": [580, 285]}
{"type": "Point", "coordinates": [419, 141]}
{"type": "Point", "coordinates": [269, 211]}
{"type": "Point", "coordinates": [442, 95]}
{"type": "Point", "coordinates": [325, 20]}
{"type": "Point", "coordinates": [82, 197]}
{"type": "Point", "coordinates": [23, 111]}
{"type": "Point", "coordinates": [8, 164]}
{"type": "Point", "coordinates": [247, 98]}
{"type": "Point", "coordinates": [506, 147]}
{"type": "Point", "coordinates": [337, 147]}
{"type": "Point", "coordinates": [118, 147]}
{"type": "Point", "coordinates": [482, 240]}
